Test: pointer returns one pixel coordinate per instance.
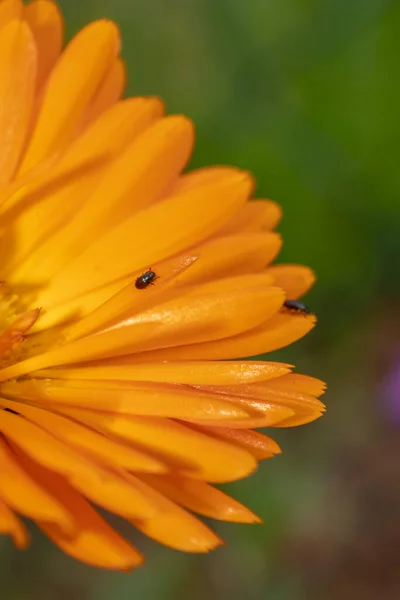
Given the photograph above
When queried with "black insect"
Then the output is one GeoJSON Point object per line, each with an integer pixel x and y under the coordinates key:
{"type": "Point", "coordinates": [148, 278]}
{"type": "Point", "coordinates": [297, 307]}
{"type": "Point", "coordinates": [10, 410]}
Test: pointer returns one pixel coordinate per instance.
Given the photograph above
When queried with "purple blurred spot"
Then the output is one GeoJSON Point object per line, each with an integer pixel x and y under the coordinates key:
{"type": "Point", "coordinates": [391, 391]}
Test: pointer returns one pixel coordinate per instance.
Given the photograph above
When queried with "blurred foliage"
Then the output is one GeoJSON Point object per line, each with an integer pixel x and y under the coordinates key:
{"type": "Point", "coordinates": [303, 93]}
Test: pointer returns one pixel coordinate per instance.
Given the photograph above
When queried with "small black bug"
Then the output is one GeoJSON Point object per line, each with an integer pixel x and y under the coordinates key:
{"type": "Point", "coordinates": [10, 410]}
{"type": "Point", "coordinates": [145, 280]}
{"type": "Point", "coordinates": [297, 306]}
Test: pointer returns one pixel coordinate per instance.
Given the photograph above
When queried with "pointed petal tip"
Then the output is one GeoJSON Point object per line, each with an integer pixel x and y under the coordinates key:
{"type": "Point", "coordinates": [247, 517]}
{"type": "Point", "coordinates": [220, 543]}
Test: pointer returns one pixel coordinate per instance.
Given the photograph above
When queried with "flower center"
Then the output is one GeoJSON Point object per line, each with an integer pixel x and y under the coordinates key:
{"type": "Point", "coordinates": [14, 322]}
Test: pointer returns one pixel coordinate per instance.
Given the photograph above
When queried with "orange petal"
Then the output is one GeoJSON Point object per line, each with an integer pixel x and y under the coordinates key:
{"type": "Point", "coordinates": [303, 384]}
{"type": "Point", "coordinates": [202, 456]}
{"type": "Point", "coordinates": [101, 485]}
{"type": "Point", "coordinates": [92, 444]}
{"type": "Point", "coordinates": [10, 524]}
{"type": "Point", "coordinates": [300, 419]}
{"type": "Point", "coordinates": [24, 494]}
{"type": "Point", "coordinates": [116, 495]}
{"type": "Point", "coordinates": [203, 177]}
{"type": "Point", "coordinates": [38, 213]}
{"type": "Point", "coordinates": [40, 182]}
{"type": "Point", "coordinates": [228, 284]}
{"type": "Point", "coordinates": [279, 331]}
{"type": "Point", "coordinates": [45, 448]}
{"type": "Point", "coordinates": [129, 299]}
{"type": "Point", "coordinates": [109, 134]}
{"type": "Point", "coordinates": [233, 255]}
{"type": "Point", "coordinates": [9, 10]}
{"type": "Point", "coordinates": [184, 320]}
{"type": "Point", "coordinates": [70, 88]}
{"type": "Point", "coordinates": [119, 397]}
{"type": "Point", "coordinates": [114, 297]}
{"type": "Point", "coordinates": [296, 280]}
{"type": "Point", "coordinates": [45, 20]}
{"type": "Point", "coordinates": [202, 498]}
{"type": "Point", "coordinates": [17, 85]}
{"type": "Point", "coordinates": [176, 528]}
{"type": "Point", "coordinates": [259, 444]}
{"type": "Point", "coordinates": [114, 129]}
{"type": "Point", "coordinates": [254, 216]}
{"type": "Point", "coordinates": [163, 148]}
{"type": "Point", "coordinates": [279, 415]}
{"type": "Point", "coordinates": [72, 310]}
{"type": "Point", "coordinates": [110, 91]}
{"type": "Point", "coordinates": [260, 414]}
{"type": "Point", "coordinates": [180, 531]}
{"type": "Point", "coordinates": [285, 395]}
{"type": "Point", "coordinates": [41, 221]}
{"type": "Point", "coordinates": [264, 399]}
{"type": "Point", "coordinates": [188, 218]}
{"type": "Point", "coordinates": [190, 372]}
{"type": "Point", "coordinates": [94, 542]}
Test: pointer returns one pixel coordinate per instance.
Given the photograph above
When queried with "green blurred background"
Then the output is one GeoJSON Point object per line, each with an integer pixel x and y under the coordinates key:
{"type": "Point", "coordinates": [305, 94]}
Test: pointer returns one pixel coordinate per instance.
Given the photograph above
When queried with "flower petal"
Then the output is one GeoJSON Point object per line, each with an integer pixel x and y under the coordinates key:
{"type": "Point", "coordinates": [300, 419]}
{"type": "Point", "coordinates": [94, 542]}
{"type": "Point", "coordinates": [45, 448]}
{"type": "Point", "coordinates": [46, 23]}
{"type": "Point", "coordinates": [233, 255]}
{"type": "Point", "coordinates": [17, 86]}
{"type": "Point", "coordinates": [260, 415]}
{"type": "Point", "coordinates": [279, 331]}
{"type": "Point", "coordinates": [122, 189]}
{"type": "Point", "coordinates": [196, 453]}
{"type": "Point", "coordinates": [70, 88]}
{"type": "Point", "coordinates": [106, 451]}
{"type": "Point", "coordinates": [296, 280]}
{"type": "Point", "coordinates": [254, 216]}
{"type": "Point", "coordinates": [126, 398]}
{"type": "Point", "coordinates": [109, 92]}
{"type": "Point", "coordinates": [285, 395]}
{"type": "Point", "coordinates": [259, 444]}
{"type": "Point", "coordinates": [202, 498]}
{"type": "Point", "coordinates": [190, 372]}
{"type": "Point", "coordinates": [23, 493]}
{"type": "Point", "coordinates": [128, 185]}
{"type": "Point", "coordinates": [117, 495]}
{"type": "Point", "coordinates": [188, 218]}
{"type": "Point", "coordinates": [45, 222]}
{"type": "Point", "coordinates": [190, 320]}
{"type": "Point", "coordinates": [130, 300]}
{"type": "Point", "coordinates": [262, 398]}
{"type": "Point", "coordinates": [303, 384]}
{"type": "Point", "coordinates": [9, 10]}
{"type": "Point", "coordinates": [9, 523]}
{"type": "Point", "coordinates": [105, 487]}
{"type": "Point", "coordinates": [176, 528]}
{"type": "Point", "coordinates": [203, 177]}
{"type": "Point", "coordinates": [229, 284]}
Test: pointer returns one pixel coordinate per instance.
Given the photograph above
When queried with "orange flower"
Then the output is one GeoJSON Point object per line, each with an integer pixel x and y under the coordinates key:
{"type": "Point", "coordinates": [117, 392]}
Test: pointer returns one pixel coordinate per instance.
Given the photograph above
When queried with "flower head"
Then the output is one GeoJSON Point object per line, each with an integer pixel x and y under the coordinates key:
{"type": "Point", "coordinates": [126, 286]}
